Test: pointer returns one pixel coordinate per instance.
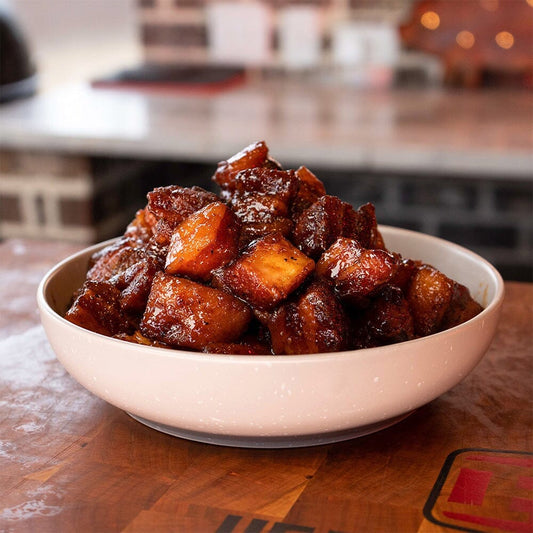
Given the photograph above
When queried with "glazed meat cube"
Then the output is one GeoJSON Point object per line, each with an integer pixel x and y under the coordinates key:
{"type": "Point", "coordinates": [310, 189]}
{"type": "Point", "coordinates": [387, 320]}
{"type": "Point", "coordinates": [97, 308]}
{"type": "Point", "coordinates": [206, 240]}
{"type": "Point", "coordinates": [355, 271]}
{"type": "Point", "coordinates": [261, 198]}
{"type": "Point", "coordinates": [364, 228]}
{"type": "Point", "coordinates": [135, 283]}
{"type": "Point", "coordinates": [313, 323]}
{"type": "Point", "coordinates": [340, 256]}
{"type": "Point", "coordinates": [462, 307]}
{"type": "Point", "coordinates": [317, 228]}
{"type": "Point", "coordinates": [129, 268]}
{"type": "Point", "coordinates": [281, 183]}
{"type": "Point", "coordinates": [163, 231]}
{"type": "Point", "coordinates": [181, 312]}
{"type": "Point", "coordinates": [429, 295]}
{"type": "Point", "coordinates": [261, 214]}
{"type": "Point", "coordinates": [258, 207]}
{"type": "Point", "coordinates": [252, 231]}
{"type": "Point", "coordinates": [113, 259]}
{"type": "Point", "coordinates": [404, 273]}
{"type": "Point", "coordinates": [329, 218]}
{"type": "Point", "coordinates": [176, 203]}
{"type": "Point", "coordinates": [254, 155]}
{"type": "Point", "coordinates": [173, 204]}
{"type": "Point", "coordinates": [266, 272]}
{"type": "Point", "coordinates": [141, 228]}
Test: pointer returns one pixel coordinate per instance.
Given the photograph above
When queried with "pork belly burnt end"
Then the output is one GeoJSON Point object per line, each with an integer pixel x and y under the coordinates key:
{"type": "Point", "coordinates": [312, 322]}
{"type": "Point", "coordinates": [184, 313]}
{"type": "Point", "coordinates": [386, 320]}
{"type": "Point", "coordinates": [171, 205]}
{"type": "Point", "coordinates": [206, 240]}
{"type": "Point", "coordinates": [97, 308]}
{"type": "Point", "coordinates": [438, 302]}
{"type": "Point", "coordinates": [262, 199]}
{"type": "Point", "coordinates": [329, 218]}
{"type": "Point", "coordinates": [266, 273]}
{"type": "Point", "coordinates": [128, 266]}
{"type": "Point", "coordinates": [253, 156]}
{"type": "Point", "coordinates": [429, 296]}
{"type": "Point", "coordinates": [356, 273]}
{"type": "Point", "coordinates": [310, 189]}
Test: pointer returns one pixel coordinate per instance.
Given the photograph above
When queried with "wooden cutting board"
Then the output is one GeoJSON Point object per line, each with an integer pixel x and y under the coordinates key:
{"type": "Point", "coordinates": [71, 462]}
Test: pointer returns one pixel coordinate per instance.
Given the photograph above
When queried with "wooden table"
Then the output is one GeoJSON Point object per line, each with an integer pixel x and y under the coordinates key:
{"type": "Point", "coordinates": [71, 462]}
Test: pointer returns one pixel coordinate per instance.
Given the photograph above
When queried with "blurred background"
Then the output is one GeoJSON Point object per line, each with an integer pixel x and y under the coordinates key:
{"type": "Point", "coordinates": [422, 107]}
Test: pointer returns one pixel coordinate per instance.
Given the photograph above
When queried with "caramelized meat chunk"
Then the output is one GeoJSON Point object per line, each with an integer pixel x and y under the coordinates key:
{"type": "Point", "coordinates": [254, 155]}
{"type": "Point", "coordinates": [462, 307]}
{"type": "Point", "coordinates": [329, 218]}
{"type": "Point", "coordinates": [261, 214]}
{"type": "Point", "coordinates": [429, 295]}
{"type": "Point", "coordinates": [173, 204]}
{"type": "Point", "coordinates": [310, 189]}
{"type": "Point", "coordinates": [97, 308]}
{"type": "Point", "coordinates": [181, 312]}
{"type": "Point", "coordinates": [356, 272]}
{"type": "Point", "coordinates": [281, 183]}
{"type": "Point", "coordinates": [128, 267]}
{"type": "Point", "coordinates": [387, 320]}
{"type": "Point", "coordinates": [266, 272]}
{"type": "Point", "coordinates": [258, 207]}
{"type": "Point", "coordinates": [135, 283]}
{"type": "Point", "coordinates": [252, 231]}
{"type": "Point", "coordinates": [315, 322]}
{"type": "Point", "coordinates": [261, 198]}
{"type": "Point", "coordinates": [364, 228]}
{"type": "Point", "coordinates": [113, 259]}
{"type": "Point", "coordinates": [404, 273]}
{"type": "Point", "coordinates": [141, 228]}
{"type": "Point", "coordinates": [206, 240]}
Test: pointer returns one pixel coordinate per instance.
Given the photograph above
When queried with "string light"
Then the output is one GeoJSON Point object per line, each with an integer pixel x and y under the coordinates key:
{"type": "Point", "coordinates": [430, 20]}
{"type": "Point", "coordinates": [465, 39]}
{"type": "Point", "coordinates": [504, 40]}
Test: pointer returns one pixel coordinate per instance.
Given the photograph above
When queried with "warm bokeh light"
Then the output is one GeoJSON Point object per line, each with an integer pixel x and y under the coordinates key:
{"type": "Point", "coordinates": [504, 39]}
{"type": "Point", "coordinates": [465, 39]}
{"type": "Point", "coordinates": [530, 2]}
{"type": "Point", "coordinates": [430, 20]}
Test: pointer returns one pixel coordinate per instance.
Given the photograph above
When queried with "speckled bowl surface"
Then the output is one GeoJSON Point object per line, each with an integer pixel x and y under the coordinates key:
{"type": "Point", "coordinates": [277, 401]}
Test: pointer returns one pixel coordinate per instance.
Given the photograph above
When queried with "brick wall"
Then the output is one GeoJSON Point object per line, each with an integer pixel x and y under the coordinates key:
{"type": "Point", "coordinates": [68, 197]}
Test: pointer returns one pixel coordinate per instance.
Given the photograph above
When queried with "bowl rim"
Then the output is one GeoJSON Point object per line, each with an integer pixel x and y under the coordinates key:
{"type": "Point", "coordinates": [180, 353]}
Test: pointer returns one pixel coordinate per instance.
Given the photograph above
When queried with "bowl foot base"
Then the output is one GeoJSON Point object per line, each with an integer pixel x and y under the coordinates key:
{"type": "Point", "coordinates": [282, 441]}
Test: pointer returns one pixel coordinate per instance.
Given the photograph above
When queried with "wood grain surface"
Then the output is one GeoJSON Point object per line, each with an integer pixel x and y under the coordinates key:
{"type": "Point", "coordinates": [71, 462]}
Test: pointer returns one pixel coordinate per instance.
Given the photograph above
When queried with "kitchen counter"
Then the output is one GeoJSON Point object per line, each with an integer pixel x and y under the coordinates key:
{"type": "Point", "coordinates": [465, 133]}
{"type": "Point", "coordinates": [71, 462]}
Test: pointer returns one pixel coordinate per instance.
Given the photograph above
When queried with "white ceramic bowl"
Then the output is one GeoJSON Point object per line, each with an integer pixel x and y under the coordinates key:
{"type": "Point", "coordinates": [277, 401]}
